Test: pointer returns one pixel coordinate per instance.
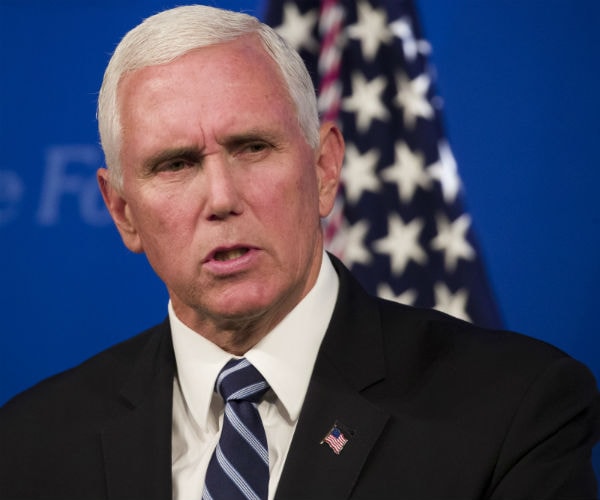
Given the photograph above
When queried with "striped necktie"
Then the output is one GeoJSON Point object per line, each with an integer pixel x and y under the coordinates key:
{"type": "Point", "coordinates": [239, 466]}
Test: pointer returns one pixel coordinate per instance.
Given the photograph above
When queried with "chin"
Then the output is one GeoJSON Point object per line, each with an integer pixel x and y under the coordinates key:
{"type": "Point", "coordinates": [249, 309]}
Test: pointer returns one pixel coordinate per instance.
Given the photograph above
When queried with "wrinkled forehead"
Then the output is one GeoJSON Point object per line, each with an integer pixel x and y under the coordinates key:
{"type": "Point", "coordinates": [210, 93]}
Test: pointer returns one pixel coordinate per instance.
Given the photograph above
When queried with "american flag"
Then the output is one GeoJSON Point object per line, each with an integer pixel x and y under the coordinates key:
{"type": "Point", "coordinates": [336, 440]}
{"type": "Point", "coordinates": [400, 222]}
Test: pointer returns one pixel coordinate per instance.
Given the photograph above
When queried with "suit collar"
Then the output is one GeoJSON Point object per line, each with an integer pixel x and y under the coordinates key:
{"type": "Point", "coordinates": [345, 342]}
{"type": "Point", "coordinates": [137, 442]}
{"type": "Point", "coordinates": [348, 362]}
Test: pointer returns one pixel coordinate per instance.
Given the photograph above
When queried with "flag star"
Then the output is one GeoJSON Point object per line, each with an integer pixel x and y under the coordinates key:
{"type": "Point", "coordinates": [408, 297]}
{"type": "Point", "coordinates": [358, 174]}
{"type": "Point", "coordinates": [445, 171]}
{"type": "Point", "coordinates": [371, 29]}
{"type": "Point", "coordinates": [297, 28]}
{"type": "Point", "coordinates": [386, 223]}
{"type": "Point", "coordinates": [449, 303]}
{"type": "Point", "coordinates": [412, 98]}
{"type": "Point", "coordinates": [402, 28]}
{"type": "Point", "coordinates": [366, 101]}
{"type": "Point", "coordinates": [402, 243]}
{"type": "Point", "coordinates": [355, 251]}
{"type": "Point", "coordinates": [408, 172]}
{"type": "Point", "coordinates": [452, 240]}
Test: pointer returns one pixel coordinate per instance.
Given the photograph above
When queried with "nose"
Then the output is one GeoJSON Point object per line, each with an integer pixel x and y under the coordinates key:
{"type": "Point", "coordinates": [223, 196]}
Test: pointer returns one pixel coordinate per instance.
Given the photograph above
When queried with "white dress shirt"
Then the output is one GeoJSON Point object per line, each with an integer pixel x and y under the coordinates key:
{"type": "Point", "coordinates": [285, 358]}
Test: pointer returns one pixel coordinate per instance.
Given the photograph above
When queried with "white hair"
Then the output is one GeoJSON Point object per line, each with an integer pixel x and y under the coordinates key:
{"type": "Point", "coordinates": [170, 34]}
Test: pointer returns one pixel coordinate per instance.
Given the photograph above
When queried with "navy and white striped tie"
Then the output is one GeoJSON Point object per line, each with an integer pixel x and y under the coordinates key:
{"type": "Point", "coordinates": [239, 467]}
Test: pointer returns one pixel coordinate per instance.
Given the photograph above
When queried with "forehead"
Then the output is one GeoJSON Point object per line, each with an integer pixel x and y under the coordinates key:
{"type": "Point", "coordinates": [241, 68]}
{"type": "Point", "coordinates": [210, 92]}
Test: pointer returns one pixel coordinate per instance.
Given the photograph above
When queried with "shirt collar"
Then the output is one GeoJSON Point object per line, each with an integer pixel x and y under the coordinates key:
{"type": "Point", "coordinates": [285, 357]}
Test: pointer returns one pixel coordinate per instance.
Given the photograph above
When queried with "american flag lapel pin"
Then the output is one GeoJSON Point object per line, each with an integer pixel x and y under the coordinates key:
{"type": "Point", "coordinates": [337, 438]}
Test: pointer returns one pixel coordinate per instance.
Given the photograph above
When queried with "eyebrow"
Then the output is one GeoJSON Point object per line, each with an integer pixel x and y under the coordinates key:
{"type": "Point", "coordinates": [251, 136]}
{"type": "Point", "coordinates": [194, 154]}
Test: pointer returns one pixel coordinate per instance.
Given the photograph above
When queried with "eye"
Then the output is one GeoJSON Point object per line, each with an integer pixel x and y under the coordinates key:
{"type": "Point", "coordinates": [256, 147]}
{"type": "Point", "coordinates": [173, 160]}
{"type": "Point", "coordinates": [174, 165]}
{"type": "Point", "coordinates": [253, 150]}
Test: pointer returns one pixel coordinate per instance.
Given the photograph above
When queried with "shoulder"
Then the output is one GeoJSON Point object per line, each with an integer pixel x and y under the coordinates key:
{"type": "Point", "coordinates": [429, 340]}
{"type": "Point", "coordinates": [460, 343]}
{"type": "Point", "coordinates": [455, 362]}
{"type": "Point", "coordinates": [51, 434]}
{"type": "Point", "coordinates": [87, 388]}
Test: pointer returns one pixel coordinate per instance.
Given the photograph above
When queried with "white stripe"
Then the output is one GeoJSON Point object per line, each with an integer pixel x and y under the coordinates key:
{"type": "Point", "coordinates": [234, 475]}
{"type": "Point", "coordinates": [242, 364]}
{"type": "Point", "coordinates": [206, 495]}
{"type": "Point", "coordinates": [244, 392]}
{"type": "Point", "coordinates": [248, 436]}
{"type": "Point", "coordinates": [330, 17]}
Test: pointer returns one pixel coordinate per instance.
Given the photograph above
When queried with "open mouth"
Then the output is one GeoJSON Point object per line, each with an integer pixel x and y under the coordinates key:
{"type": "Point", "coordinates": [230, 254]}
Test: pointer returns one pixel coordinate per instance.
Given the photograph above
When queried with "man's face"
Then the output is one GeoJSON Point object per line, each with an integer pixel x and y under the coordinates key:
{"type": "Point", "coordinates": [221, 191]}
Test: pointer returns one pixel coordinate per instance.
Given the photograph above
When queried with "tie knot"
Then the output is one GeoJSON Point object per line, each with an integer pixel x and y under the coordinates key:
{"type": "Point", "coordinates": [240, 381]}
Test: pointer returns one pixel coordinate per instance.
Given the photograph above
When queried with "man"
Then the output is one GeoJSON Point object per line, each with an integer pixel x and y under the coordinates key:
{"type": "Point", "coordinates": [219, 172]}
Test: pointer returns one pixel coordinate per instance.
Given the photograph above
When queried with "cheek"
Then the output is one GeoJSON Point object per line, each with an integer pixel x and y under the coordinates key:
{"type": "Point", "coordinates": [306, 195]}
{"type": "Point", "coordinates": [287, 200]}
{"type": "Point", "coordinates": [163, 222]}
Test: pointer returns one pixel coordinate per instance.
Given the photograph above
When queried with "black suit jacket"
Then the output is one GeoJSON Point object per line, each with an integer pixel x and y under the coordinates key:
{"type": "Point", "coordinates": [434, 408]}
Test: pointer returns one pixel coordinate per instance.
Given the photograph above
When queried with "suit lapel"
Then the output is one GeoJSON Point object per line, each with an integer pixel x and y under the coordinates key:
{"type": "Point", "coordinates": [312, 469]}
{"type": "Point", "coordinates": [348, 362]}
{"type": "Point", "coordinates": [137, 442]}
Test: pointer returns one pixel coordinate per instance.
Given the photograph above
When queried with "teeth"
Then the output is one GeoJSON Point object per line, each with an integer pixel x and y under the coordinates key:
{"type": "Point", "coordinates": [231, 254]}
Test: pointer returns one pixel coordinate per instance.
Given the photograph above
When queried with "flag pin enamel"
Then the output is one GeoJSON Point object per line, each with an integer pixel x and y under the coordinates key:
{"type": "Point", "coordinates": [337, 437]}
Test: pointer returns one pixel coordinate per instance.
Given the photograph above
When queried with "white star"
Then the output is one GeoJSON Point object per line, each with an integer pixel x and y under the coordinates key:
{"type": "Point", "coordinates": [402, 243]}
{"type": "Point", "coordinates": [358, 174]}
{"type": "Point", "coordinates": [445, 171]}
{"type": "Point", "coordinates": [407, 171]}
{"type": "Point", "coordinates": [297, 29]}
{"type": "Point", "coordinates": [453, 304]}
{"type": "Point", "coordinates": [355, 251]}
{"type": "Point", "coordinates": [451, 239]}
{"type": "Point", "coordinates": [366, 101]}
{"type": "Point", "coordinates": [407, 297]}
{"type": "Point", "coordinates": [412, 98]}
{"type": "Point", "coordinates": [371, 29]}
{"type": "Point", "coordinates": [402, 28]}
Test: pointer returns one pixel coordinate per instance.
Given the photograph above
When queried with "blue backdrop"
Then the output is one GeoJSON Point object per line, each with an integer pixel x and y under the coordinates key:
{"type": "Point", "coordinates": [520, 83]}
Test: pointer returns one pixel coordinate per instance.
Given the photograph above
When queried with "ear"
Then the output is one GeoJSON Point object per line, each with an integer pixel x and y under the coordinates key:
{"type": "Point", "coordinates": [119, 210]}
{"type": "Point", "coordinates": [329, 166]}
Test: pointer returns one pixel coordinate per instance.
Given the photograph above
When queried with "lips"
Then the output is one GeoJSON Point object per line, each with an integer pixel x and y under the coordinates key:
{"type": "Point", "coordinates": [228, 253]}
{"type": "Point", "coordinates": [225, 255]}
